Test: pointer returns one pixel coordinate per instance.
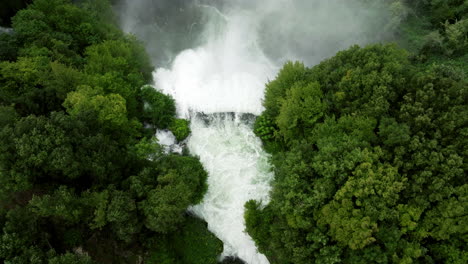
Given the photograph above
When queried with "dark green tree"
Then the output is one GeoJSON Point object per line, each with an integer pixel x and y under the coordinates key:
{"type": "Point", "coordinates": [374, 166]}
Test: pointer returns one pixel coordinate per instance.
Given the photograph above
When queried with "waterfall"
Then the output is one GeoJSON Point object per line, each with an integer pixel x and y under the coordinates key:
{"type": "Point", "coordinates": [214, 58]}
{"type": "Point", "coordinates": [227, 74]}
{"type": "Point", "coordinates": [238, 171]}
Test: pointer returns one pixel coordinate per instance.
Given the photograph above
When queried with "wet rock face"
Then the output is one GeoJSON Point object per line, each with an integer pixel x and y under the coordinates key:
{"type": "Point", "coordinates": [232, 260]}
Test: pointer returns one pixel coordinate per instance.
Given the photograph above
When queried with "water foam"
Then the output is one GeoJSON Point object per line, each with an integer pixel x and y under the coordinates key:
{"type": "Point", "coordinates": [168, 141]}
{"type": "Point", "coordinates": [245, 42]}
{"type": "Point", "coordinates": [227, 74]}
{"type": "Point", "coordinates": [238, 171]}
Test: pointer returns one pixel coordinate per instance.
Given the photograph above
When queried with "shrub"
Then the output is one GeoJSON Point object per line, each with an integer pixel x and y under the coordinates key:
{"type": "Point", "coordinates": [180, 128]}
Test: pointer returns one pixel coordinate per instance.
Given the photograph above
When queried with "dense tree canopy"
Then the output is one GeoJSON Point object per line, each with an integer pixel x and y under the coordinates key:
{"type": "Point", "coordinates": [436, 31]}
{"type": "Point", "coordinates": [82, 178]}
{"type": "Point", "coordinates": [369, 149]}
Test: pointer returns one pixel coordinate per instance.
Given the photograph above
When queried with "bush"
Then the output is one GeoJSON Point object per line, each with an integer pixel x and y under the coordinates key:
{"type": "Point", "coordinates": [264, 128]}
{"type": "Point", "coordinates": [276, 89]}
{"type": "Point", "coordinates": [180, 128]}
{"type": "Point", "coordinates": [194, 244]}
{"type": "Point", "coordinates": [373, 169]}
{"type": "Point", "coordinates": [158, 108]}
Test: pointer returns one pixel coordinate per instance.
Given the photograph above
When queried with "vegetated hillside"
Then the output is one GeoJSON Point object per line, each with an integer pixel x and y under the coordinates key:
{"type": "Point", "coordinates": [82, 179]}
{"type": "Point", "coordinates": [436, 31]}
{"type": "Point", "coordinates": [370, 150]}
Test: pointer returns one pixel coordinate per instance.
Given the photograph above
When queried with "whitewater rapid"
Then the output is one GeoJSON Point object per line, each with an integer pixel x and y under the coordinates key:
{"type": "Point", "coordinates": [214, 58]}
{"type": "Point", "coordinates": [226, 74]}
{"type": "Point", "coordinates": [224, 79]}
{"type": "Point", "coordinates": [238, 171]}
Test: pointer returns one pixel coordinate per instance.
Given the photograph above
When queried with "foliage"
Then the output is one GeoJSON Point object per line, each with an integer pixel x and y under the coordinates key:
{"type": "Point", "coordinates": [158, 108]}
{"type": "Point", "coordinates": [264, 128]}
{"type": "Point", "coordinates": [288, 76]}
{"type": "Point", "coordinates": [300, 110]}
{"type": "Point", "coordinates": [373, 169]}
{"type": "Point", "coordinates": [8, 50]}
{"type": "Point", "coordinates": [191, 244]}
{"type": "Point", "coordinates": [119, 66]}
{"type": "Point", "coordinates": [80, 180]}
{"type": "Point", "coordinates": [436, 31]}
{"type": "Point", "coordinates": [180, 128]}
{"type": "Point", "coordinates": [456, 37]}
{"type": "Point", "coordinates": [196, 245]}
{"type": "Point", "coordinates": [440, 11]}
{"type": "Point", "coordinates": [369, 148]}
{"type": "Point", "coordinates": [71, 259]}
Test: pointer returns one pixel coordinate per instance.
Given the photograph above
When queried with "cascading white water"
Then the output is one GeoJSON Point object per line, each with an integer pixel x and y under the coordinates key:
{"type": "Point", "coordinates": [225, 75]}
{"type": "Point", "coordinates": [168, 141]}
{"type": "Point", "coordinates": [237, 45]}
{"type": "Point", "coordinates": [238, 171]}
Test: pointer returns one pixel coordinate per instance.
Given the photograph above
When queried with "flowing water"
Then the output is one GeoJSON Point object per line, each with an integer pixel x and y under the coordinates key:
{"type": "Point", "coordinates": [214, 58]}
{"type": "Point", "coordinates": [227, 74]}
{"type": "Point", "coordinates": [5, 30]}
{"type": "Point", "coordinates": [238, 171]}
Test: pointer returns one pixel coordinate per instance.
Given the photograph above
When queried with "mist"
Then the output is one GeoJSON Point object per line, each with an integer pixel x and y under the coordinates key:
{"type": "Point", "coordinates": [214, 57]}
{"type": "Point", "coordinates": [165, 26]}
{"type": "Point", "coordinates": [304, 30]}
{"type": "Point", "coordinates": [227, 50]}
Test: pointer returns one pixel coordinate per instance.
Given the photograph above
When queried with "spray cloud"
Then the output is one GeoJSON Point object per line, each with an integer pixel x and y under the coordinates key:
{"type": "Point", "coordinates": [215, 56]}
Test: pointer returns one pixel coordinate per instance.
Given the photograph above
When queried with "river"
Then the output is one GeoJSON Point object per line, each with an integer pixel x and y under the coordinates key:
{"type": "Point", "coordinates": [214, 58]}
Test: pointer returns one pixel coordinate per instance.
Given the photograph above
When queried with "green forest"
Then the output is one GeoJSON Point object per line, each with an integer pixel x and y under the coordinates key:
{"type": "Point", "coordinates": [369, 147]}
{"type": "Point", "coordinates": [80, 170]}
{"type": "Point", "coordinates": [370, 150]}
